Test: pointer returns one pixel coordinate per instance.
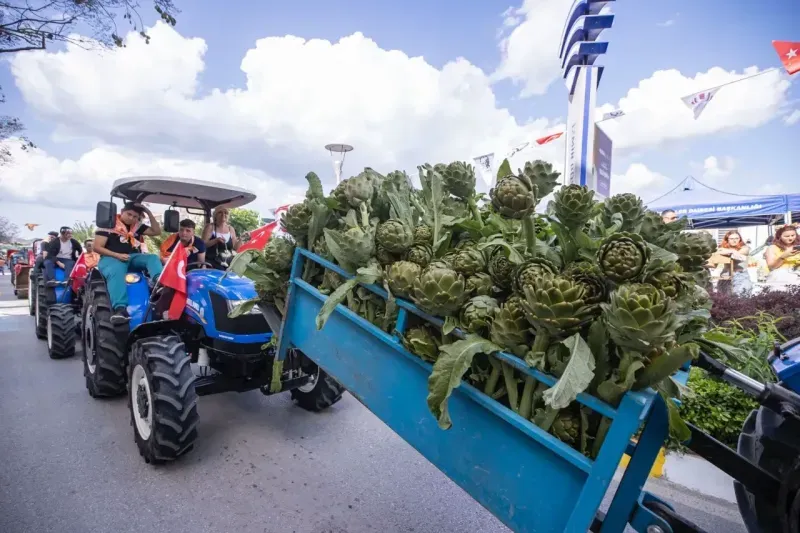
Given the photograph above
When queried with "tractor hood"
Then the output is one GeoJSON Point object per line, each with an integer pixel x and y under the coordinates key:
{"type": "Point", "coordinates": [233, 287]}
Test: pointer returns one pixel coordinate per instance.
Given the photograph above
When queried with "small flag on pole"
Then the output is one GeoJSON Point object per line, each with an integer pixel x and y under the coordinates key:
{"type": "Point", "coordinates": [485, 164]}
{"type": "Point", "coordinates": [697, 102]}
{"type": "Point", "coordinates": [789, 53]}
{"type": "Point", "coordinates": [613, 114]}
{"type": "Point", "coordinates": [518, 149]}
{"type": "Point", "coordinates": [547, 138]}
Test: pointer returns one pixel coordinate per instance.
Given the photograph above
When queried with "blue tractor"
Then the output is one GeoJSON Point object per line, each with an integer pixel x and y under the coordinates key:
{"type": "Point", "coordinates": [56, 310]}
{"type": "Point", "coordinates": [164, 365]}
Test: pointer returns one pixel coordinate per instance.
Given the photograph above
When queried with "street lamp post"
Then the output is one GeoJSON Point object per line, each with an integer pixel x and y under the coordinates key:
{"type": "Point", "coordinates": [578, 52]}
{"type": "Point", "coordinates": [338, 153]}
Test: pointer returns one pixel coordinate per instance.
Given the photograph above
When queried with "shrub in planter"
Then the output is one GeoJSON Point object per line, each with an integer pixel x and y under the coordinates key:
{"type": "Point", "coordinates": [744, 309]}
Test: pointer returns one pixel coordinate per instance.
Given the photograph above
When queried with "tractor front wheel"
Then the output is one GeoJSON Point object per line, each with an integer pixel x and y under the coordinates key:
{"type": "Point", "coordinates": [60, 331]}
{"type": "Point", "coordinates": [40, 314]}
{"type": "Point", "coordinates": [162, 399]}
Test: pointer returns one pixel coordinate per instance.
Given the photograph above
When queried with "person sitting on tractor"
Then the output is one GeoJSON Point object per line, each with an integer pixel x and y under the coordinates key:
{"type": "Point", "coordinates": [61, 252]}
{"type": "Point", "coordinates": [90, 257]}
{"type": "Point", "coordinates": [195, 247]}
{"type": "Point", "coordinates": [120, 251]}
{"type": "Point", "coordinates": [41, 252]}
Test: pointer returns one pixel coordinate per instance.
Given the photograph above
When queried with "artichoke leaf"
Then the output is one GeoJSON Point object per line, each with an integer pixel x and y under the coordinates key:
{"type": "Point", "coordinates": [365, 275]}
{"type": "Point", "coordinates": [577, 376]}
{"type": "Point", "coordinates": [665, 365]}
{"type": "Point", "coordinates": [243, 308]}
{"type": "Point", "coordinates": [314, 191]}
{"type": "Point", "coordinates": [453, 362]}
{"type": "Point", "coordinates": [513, 255]}
{"type": "Point", "coordinates": [598, 344]}
{"type": "Point", "coordinates": [504, 170]}
{"type": "Point", "coordinates": [241, 261]}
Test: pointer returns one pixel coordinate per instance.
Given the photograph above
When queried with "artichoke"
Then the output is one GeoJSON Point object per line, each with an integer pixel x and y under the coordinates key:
{"type": "Point", "coordinates": [640, 317]}
{"type": "Point", "coordinates": [514, 197]}
{"type": "Point", "coordinates": [440, 263]}
{"type": "Point", "coordinates": [557, 304]}
{"type": "Point", "coordinates": [455, 207]}
{"type": "Point", "coordinates": [401, 276]}
{"type": "Point", "coordinates": [623, 257]}
{"type": "Point", "coordinates": [459, 179]}
{"type": "Point", "coordinates": [596, 288]}
{"type": "Point", "coordinates": [542, 176]}
{"type": "Point", "coordinates": [629, 206]}
{"type": "Point", "coordinates": [320, 248]}
{"type": "Point", "coordinates": [653, 228]}
{"type": "Point", "coordinates": [395, 236]}
{"type": "Point", "coordinates": [476, 316]}
{"type": "Point", "coordinates": [501, 270]}
{"type": "Point", "coordinates": [278, 254]}
{"type": "Point", "coordinates": [423, 342]}
{"type": "Point", "coordinates": [527, 272]}
{"type": "Point", "coordinates": [423, 234]}
{"type": "Point", "coordinates": [583, 267]}
{"type": "Point", "coordinates": [469, 261]}
{"type": "Point", "coordinates": [439, 291]}
{"type": "Point", "coordinates": [421, 254]}
{"type": "Point", "coordinates": [295, 221]}
{"type": "Point", "coordinates": [573, 205]}
{"type": "Point", "coordinates": [356, 246]}
{"type": "Point", "coordinates": [667, 279]}
{"type": "Point", "coordinates": [693, 250]}
{"type": "Point", "coordinates": [479, 284]}
{"type": "Point", "coordinates": [509, 328]}
{"type": "Point", "coordinates": [359, 189]}
{"type": "Point", "coordinates": [384, 256]}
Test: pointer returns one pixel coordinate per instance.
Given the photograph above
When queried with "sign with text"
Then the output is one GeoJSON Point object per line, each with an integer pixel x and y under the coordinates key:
{"type": "Point", "coordinates": [602, 163]}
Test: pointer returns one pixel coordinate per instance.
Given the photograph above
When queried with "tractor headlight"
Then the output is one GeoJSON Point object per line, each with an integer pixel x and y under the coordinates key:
{"type": "Point", "coordinates": [132, 278]}
{"type": "Point", "coordinates": [233, 304]}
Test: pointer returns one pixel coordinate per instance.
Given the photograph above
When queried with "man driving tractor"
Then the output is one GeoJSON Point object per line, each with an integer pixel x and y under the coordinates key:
{"type": "Point", "coordinates": [120, 251]}
{"type": "Point", "coordinates": [195, 247]}
{"type": "Point", "coordinates": [62, 251]}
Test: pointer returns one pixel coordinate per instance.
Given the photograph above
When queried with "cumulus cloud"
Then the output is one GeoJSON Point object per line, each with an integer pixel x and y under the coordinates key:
{"type": "Point", "coordinates": [792, 118]}
{"type": "Point", "coordinates": [714, 167]}
{"type": "Point", "coordinates": [640, 180]}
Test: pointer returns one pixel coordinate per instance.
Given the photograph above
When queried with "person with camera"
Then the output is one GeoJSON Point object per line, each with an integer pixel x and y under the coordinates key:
{"type": "Point", "coordinates": [734, 270]}
{"type": "Point", "coordinates": [783, 257]}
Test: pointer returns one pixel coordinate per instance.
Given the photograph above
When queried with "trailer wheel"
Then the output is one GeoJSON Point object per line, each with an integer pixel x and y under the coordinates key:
{"type": "Point", "coordinates": [771, 442]}
{"type": "Point", "coordinates": [103, 348]}
{"type": "Point", "coordinates": [319, 393]}
{"type": "Point", "coordinates": [40, 313]}
{"type": "Point", "coordinates": [162, 399]}
{"type": "Point", "coordinates": [60, 331]}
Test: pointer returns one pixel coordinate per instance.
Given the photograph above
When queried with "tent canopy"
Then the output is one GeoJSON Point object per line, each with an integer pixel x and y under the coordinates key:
{"type": "Point", "coordinates": [723, 210]}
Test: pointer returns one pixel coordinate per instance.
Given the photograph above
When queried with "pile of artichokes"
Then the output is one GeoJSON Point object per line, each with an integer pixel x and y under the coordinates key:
{"type": "Point", "coordinates": [603, 296]}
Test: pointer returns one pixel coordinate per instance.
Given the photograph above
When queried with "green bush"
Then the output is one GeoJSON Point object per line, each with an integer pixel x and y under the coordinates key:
{"type": "Point", "coordinates": [716, 407]}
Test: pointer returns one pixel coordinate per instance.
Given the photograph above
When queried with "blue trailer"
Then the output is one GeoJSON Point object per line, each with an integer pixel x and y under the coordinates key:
{"type": "Point", "coordinates": [526, 477]}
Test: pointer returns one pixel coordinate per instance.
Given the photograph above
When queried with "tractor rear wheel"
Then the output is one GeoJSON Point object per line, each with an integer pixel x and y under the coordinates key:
{"type": "Point", "coordinates": [162, 399]}
{"type": "Point", "coordinates": [32, 284]}
{"type": "Point", "coordinates": [103, 346]}
{"type": "Point", "coordinates": [61, 331]}
{"type": "Point", "coordinates": [320, 392]}
{"type": "Point", "coordinates": [40, 313]}
{"type": "Point", "coordinates": [773, 443]}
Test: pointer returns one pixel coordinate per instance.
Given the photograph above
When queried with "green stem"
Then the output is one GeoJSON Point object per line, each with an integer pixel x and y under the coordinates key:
{"type": "Point", "coordinates": [475, 213]}
{"type": "Point", "coordinates": [526, 403]}
{"type": "Point", "coordinates": [549, 417]}
{"type": "Point", "coordinates": [541, 342]}
{"type": "Point", "coordinates": [529, 230]}
{"type": "Point", "coordinates": [499, 394]}
{"type": "Point", "coordinates": [511, 387]}
{"type": "Point", "coordinates": [494, 377]}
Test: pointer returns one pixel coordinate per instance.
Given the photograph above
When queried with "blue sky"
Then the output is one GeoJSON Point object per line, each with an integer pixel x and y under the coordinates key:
{"type": "Point", "coordinates": [648, 36]}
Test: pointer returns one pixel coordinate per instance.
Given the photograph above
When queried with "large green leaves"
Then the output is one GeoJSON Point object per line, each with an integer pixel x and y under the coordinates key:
{"type": "Point", "coordinates": [576, 377]}
{"type": "Point", "coordinates": [367, 276]}
{"type": "Point", "coordinates": [453, 362]}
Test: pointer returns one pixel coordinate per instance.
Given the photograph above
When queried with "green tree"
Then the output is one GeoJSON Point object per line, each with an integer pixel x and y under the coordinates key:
{"type": "Point", "coordinates": [244, 220]}
{"type": "Point", "coordinates": [83, 231]}
{"type": "Point", "coordinates": [8, 230]}
{"type": "Point", "coordinates": [33, 24]}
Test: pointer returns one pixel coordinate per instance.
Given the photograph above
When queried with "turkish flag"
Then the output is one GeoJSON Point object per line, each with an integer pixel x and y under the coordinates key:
{"type": "Point", "coordinates": [174, 277]}
{"type": "Point", "coordinates": [261, 236]}
{"type": "Point", "coordinates": [547, 138]}
{"type": "Point", "coordinates": [78, 274]}
{"type": "Point", "coordinates": [789, 53]}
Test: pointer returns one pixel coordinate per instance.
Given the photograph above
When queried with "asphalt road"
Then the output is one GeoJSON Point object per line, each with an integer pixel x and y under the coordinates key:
{"type": "Point", "coordinates": [68, 463]}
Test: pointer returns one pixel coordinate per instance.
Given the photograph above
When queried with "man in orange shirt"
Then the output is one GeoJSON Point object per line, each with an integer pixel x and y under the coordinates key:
{"type": "Point", "coordinates": [90, 256]}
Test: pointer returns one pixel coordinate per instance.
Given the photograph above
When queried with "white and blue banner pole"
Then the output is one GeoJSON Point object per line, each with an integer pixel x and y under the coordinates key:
{"type": "Point", "coordinates": [578, 53]}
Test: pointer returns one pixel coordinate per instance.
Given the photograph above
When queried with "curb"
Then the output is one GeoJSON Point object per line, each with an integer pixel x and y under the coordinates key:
{"type": "Point", "coordinates": [691, 472]}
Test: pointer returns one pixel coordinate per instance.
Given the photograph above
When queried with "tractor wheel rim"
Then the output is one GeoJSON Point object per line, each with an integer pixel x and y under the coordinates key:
{"type": "Point", "coordinates": [88, 341]}
{"type": "Point", "coordinates": [312, 382]}
{"type": "Point", "coordinates": [141, 402]}
{"type": "Point", "coordinates": [49, 333]}
{"type": "Point", "coordinates": [38, 312]}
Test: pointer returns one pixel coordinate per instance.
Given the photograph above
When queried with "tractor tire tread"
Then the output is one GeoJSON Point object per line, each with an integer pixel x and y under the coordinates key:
{"type": "Point", "coordinates": [109, 378]}
{"type": "Point", "coordinates": [62, 324]}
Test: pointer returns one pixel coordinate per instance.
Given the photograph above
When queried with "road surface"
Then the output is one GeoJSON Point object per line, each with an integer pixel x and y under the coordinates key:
{"type": "Point", "coordinates": [261, 465]}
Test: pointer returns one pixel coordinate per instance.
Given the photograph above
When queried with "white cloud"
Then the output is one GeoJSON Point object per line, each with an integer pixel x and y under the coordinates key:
{"type": "Point", "coordinates": [530, 51]}
{"type": "Point", "coordinates": [792, 118]}
{"type": "Point", "coordinates": [655, 113]}
{"type": "Point", "coordinates": [640, 180]}
{"type": "Point", "coordinates": [714, 168]}
{"type": "Point", "coordinates": [666, 23]}
{"type": "Point", "coordinates": [75, 185]}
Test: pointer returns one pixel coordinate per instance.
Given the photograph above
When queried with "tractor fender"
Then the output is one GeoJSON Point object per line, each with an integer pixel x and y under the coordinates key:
{"type": "Point", "coordinates": [181, 328]}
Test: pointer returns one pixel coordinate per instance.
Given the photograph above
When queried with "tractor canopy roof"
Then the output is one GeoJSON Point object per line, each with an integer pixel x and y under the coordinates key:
{"type": "Point", "coordinates": [180, 192]}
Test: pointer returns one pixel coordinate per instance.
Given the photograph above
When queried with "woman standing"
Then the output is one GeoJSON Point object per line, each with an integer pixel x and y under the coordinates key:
{"type": "Point", "coordinates": [220, 239]}
{"type": "Point", "coordinates": [783, 257]}
{"type": "Point", "coordinates": [733, 247]}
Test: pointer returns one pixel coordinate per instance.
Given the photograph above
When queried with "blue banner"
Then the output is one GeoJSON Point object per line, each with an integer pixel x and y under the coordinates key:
{"type": "Point", "coordinates": [602, 162]}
